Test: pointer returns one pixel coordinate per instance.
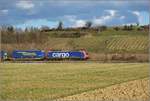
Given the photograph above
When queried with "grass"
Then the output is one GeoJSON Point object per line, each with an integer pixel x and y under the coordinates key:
{"type": "Point", "coordinates": [123, 32]}
{"type": "Point", "coordinates": [108, 32]}
{"type": "Point", "coordinates": [52, 81]}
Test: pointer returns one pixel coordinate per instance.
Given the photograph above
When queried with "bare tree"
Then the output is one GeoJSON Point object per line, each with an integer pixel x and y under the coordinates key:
{"type": "Point", "coordinates": [10, 29]}
{"type": "Point", "coordinates": [60, 25]}
{"type": "Point", "coordinates": [88, 24]}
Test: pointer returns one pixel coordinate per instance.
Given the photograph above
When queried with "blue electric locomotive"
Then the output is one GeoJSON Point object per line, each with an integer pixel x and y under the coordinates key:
{"type": "Point", "coordinates": [28, 55]}
{"type": "Point", "coordinates": [80, 55]}
{"type": "Point", "coordinates": [41, 55]}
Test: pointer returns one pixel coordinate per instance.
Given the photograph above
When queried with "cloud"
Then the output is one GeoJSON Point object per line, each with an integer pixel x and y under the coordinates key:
{"type": "Point", "coordinates": [79, 23]}
{"type": "Point", "coordinates": [73, 19]}
{"type": "Point", "coordinates": [143, 16]}
{"type": "Point", "coordinates": [38, 23]}
{"type": "Point", "coordinates": [136, 13]}
{"type": "Point", "coordinates": [122, 17]}
{"type": "Point", "coordinates": [132, 23]}
{"type": "Point", "coordinates": [99, 11]}
{"type": "Point", "coordinates": [104, 19]}
{"type": "Point", "coordinates": [111, 12]}
{"type": "Point", "coordinates": [98, 21]}
{"type": "Point", "coordinates": [25, 4]}
{"type": "Point", "coordinates": [101, 20]}
{"type": "Point", "coordinates": [3, 12]}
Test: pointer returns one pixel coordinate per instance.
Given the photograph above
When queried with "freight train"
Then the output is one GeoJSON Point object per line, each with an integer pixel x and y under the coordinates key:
{"type": "Point", "coordinates": [41, 55]}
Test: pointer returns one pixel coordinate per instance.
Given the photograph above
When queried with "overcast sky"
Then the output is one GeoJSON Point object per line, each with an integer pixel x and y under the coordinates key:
{"type": "Point", "coordinates": [73, 13]}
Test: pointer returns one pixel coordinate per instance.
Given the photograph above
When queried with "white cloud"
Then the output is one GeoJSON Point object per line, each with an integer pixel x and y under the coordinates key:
{"type": "Point", "coordinates": [122, 17]}
{"type": "Point", "coordinates": [128, 24]}
{"type": "Point", "coordinates": [136, 13]}
{"type": "Point", "coordinates": [3, 12]}
{"type": "Point", "coordinates": [104, 19]}
{"type": "Point", "coordinates": [25, 4]}
{"type": "Point", "coordinates": [98, 21]}
{"type": "Point", "coordinates": [111, 12]}
{"type": "Point", "coordinates": [76, 22]}
{"type": "Point", "coordinates": [37, 23]}
{"type": "Point", "coordinates": [143, 16]}
{"type": "Point", "coordinates": [79, 23]}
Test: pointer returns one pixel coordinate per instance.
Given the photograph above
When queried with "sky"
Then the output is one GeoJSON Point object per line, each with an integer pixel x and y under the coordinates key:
{"type": "Point", "coordinates": [73, 13]}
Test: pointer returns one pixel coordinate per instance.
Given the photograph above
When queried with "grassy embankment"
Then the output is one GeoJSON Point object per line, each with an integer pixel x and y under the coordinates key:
{"type": "Point", "coordinates": [109, 41]}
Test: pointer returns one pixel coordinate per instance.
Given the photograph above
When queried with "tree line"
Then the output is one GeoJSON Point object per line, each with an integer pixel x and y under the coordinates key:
{"type": "Point", "coordinates": [10, 34]}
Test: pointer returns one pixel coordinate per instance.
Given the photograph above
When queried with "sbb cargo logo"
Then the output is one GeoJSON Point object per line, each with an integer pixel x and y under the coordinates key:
{"type": "Point", "coordinates": [60, 55]}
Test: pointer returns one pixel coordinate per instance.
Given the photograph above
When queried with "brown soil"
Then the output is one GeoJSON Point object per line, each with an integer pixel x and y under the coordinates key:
{"type": "Point", "coordinates": [137, 90]}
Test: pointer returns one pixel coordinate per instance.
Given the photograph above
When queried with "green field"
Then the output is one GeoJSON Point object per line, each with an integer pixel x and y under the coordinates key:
{"type": "Point", "coordinates": [53, 80]}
